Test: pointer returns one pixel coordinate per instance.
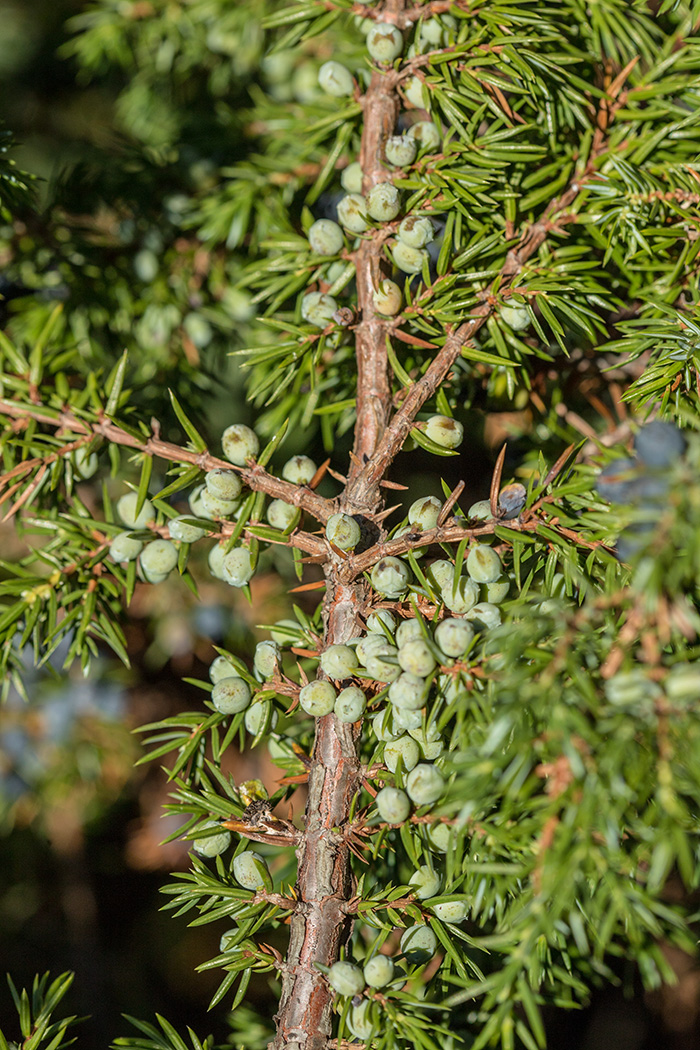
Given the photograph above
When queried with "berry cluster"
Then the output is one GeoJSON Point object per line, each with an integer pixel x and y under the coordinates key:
{"type": "Point", "coordinates": [642, 481]}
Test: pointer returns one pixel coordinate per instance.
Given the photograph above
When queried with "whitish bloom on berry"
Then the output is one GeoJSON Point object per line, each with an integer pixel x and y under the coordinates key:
{"type": "Point", "coordinates": [180, 530]}
{"type": "Point", "coordinates": [240, 444]}
{"type": "Point", "coordinates": [408, 260]}
{"type": "Point", "coordinates": [124, 547]}
{"type": "Point", "coordinates": [426, 134]}
{"type": "Point", "coordinates": [343, 531]}
{"type": "Point", "coordinates": [126, 509]}
{"type": "Point", "coordinates": [223, 484]}
{"type": "Point", "coordinates": [317, 698]}
{"type": "Point", "coordinates": [345, 978]}
{"type": "Point", "coordinates": [416, 231]}
{"type": "Point", "coordinates": [158, 559]}
{"type": "Point", "coordinates": [326, 237]}
{"type": "Point", "coordinates": [318, 308]}
{"type": "Point", "coordinates": [231, 695]}
{"type": "Point", "coordinates": [212, 845]}
{"type": "Point", "coordinates": [237, 567]}
{"type": "Point", "coordinates": [246, 870]}
{"type": "Point", "coordinates": [445, 431]}
{"type": "Point", "coordinates": [390, 577]}
{"type": "Point", "coordinates": [384, 42]}
{"type": "Point", "coordinates": [281, 515]}
{"type": "Point", "coordinates": [400, 150]}
{"type": "Point", "coordinates": [352, 212]}
{"type": "Point", "coordinates": [393, 805]}
{"type": "Point", "coordinates": [351, 178]}
{"type": "Point", "coordinates": [387, 298]}
{"type": "Point", "coordinates": [383, 202]}
{"type": "Point", "coordinates": [335, 79]}
{"type": "Point", "coordinates": [299, 470]}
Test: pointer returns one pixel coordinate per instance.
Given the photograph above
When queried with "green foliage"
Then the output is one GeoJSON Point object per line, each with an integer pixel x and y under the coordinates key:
{"type": "Point", "coordinates": [556, 783]}
{"type": "Point", "coordinates": [35, 1010]}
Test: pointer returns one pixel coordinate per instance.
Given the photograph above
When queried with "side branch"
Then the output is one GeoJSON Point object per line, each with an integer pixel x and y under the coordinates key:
{"type": "Point", "coordinates": [554, 218]}
{"type": "Point", "coordinates": [255, 477]}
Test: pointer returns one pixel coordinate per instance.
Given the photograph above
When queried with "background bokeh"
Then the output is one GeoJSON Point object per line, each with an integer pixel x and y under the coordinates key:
{"type": "Point", "coordinates": [118, 149]}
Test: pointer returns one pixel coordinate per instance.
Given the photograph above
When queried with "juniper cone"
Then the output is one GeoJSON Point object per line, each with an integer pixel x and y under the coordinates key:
{"type": "Point", "coordinates": [454, 225]}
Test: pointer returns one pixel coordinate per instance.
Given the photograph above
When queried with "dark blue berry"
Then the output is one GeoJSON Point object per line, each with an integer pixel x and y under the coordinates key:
{"type": "Point", "coordinates": [659, 444]}
{"type": "Point", "coordinates": [615, 482]}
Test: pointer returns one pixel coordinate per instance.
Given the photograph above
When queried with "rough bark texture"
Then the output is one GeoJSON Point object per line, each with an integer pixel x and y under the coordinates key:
{"type": "Point", "coordinates": [322, 925]}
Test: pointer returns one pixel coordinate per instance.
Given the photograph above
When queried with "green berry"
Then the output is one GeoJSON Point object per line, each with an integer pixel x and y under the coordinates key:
{"type": "Point", "coordinates": [126, 509]}
{"type": "Point", "coordinates": [350, 704]}
{"type": "Point", "coordinates": [390, 577]}
{"type": "Point", "coordinates": [381, 617]}
{"type": "Point", "coordinates": [630, 687]}
{"type": "Point", "coordinates": [216, 561]}
{"type": "Point", "coordinates": [220, 668]}
{"type": "Point", "coordinates": [407, 720]}
{"type": "Point", "coordinates": [318, 308]}
{"type": "Point", "coordinates": [228, 939]}
{"type": "Point", "coordinates": [393, 805]}
{"type": "Point", "coordinates": [483, 564]}
{"type": "Point", "coordinates": [214, 507]}
{"type": "Point", "coordinates": [424, 512]}
{"type": "Point", "coordinates": [425, 784]}
{"type": "Point", "coordinates": [359, 1020]}
{"type": "Point", "coordinates": [266, 658]}
{"type": "Point", "coordinates": [212, 845]}
{"type": "Point", "coordinates": [413, 90]}
{"type": "Point", "coordinates": [246, 870]}
{"type": "Point", "coordinates": [259, 715]}
{"type": "Point", "coordinates": [408, 260]}
{"type": "Point", "coordinates": [351, 178]}
{"type": "Point", "coordinates": [484, 616]}
{"type": "Point", "coordinates": [444, 431]}
{"type": "Point", "coordinates": [400, 150]}
{"type": "Point", "coordinates": [453, 912]}
{"type": "Point", "coordinates": [335, 79]}
{"type": "Point", "coordinates": [352, 213]}
{"type": "Point", "coordinates": [369, 644]}
{"type": "Point", "coordinates": [387, 298]}
{"type": "Point", "coordinates": [231, 695]}
{"type": "Point", "coordinates": [339, 661]}
{"type": "Point", "coordinates": [240, 444]}
{"type": "Point", "coordinates": [326, 237]}
{"type": "Point", "coordinates": [85, 462]}
{"type": "Point", "coordinates": [441, 573]}
{"type": "Point", "coordinates": [383, 202]}
{"type": "Point", "coordinates": [461, 595]}
{"type": "Point", "coordinates": [408, 691]}
{"type": "Point", "coordinates": [408, 631]}
{"type": "Point", "coordinates": [480, 510]}
{"type": "Point", "coordinates": [440, 837]}
{"type": "Point", "coordinates": [343, 531]}
{"type": "Point", "coordinates": [124, 547]}
{"type": "Point", "coordinates": [158, 559]}
{"type": "Point", "coordinates": [426, 882]}
{"type": "Point", "coordinates": [416, 231]}
{"type": "Point", "coordinates": [426, 134]}
{"type": "Point", "coordinates": [345, 978]}
{"type": "Point", "coordinates": [180, 530]}
{"type": "Point", "coordinates": [410, 530]}
{"type": "Point", "coordinates": [195, 502]}
{"type": "Point", "coordinates": [405, 749]}
{"type": "Point", "coordinates": [418, 943]}
{"type": "Point", "coordinates": [378, 971]}
{"type": "Point", "coordinates": [453, 636]}
{"type": "Point", "coordinates": [223, 484]}
{"type": "Point", "coordinates": [384, 42]}
{"type": "Point", "coordinates": [282, 515]}
{"type": "Point", "coordinates": [382, 664]}
{"type": "Point", "coordinates": [236, 567]}
{"type": "Point", "coordinates": [429, 741]}
{"type": "Point", "coordinates": [497, 591]}
{"type": "Point", "coordinates": [516, 317]}
{"type": "Point", "coordinates": [317, 698]}
{"type": "Point", "coordinates": [382, 725]}
{"type": "Point", "coordinates": [416, 657]}
{"type": "Point", "coordinates": [299, 470]}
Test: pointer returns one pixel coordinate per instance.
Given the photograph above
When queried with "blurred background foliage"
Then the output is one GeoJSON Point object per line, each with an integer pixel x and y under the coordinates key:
{"type": "Point", "coordinates": [128, 113]}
